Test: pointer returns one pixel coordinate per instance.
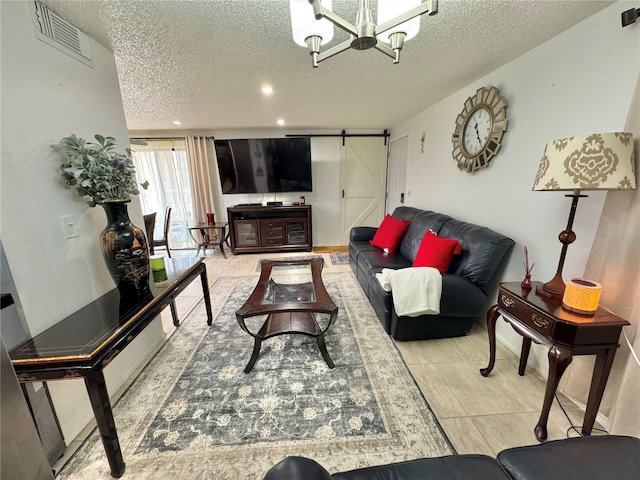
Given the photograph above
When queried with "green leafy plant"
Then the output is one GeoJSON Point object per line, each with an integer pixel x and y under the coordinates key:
{"type": "Point", "coordinates": [96, 171]}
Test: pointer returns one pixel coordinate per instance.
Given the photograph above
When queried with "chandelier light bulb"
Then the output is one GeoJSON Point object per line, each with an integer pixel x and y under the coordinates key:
{"type": "Point", "coordinates": [389, 9]}
{"type": "Point", "coordinates": [304, 24]}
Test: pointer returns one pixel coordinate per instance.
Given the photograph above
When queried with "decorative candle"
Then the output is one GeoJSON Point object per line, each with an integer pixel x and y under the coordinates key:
{"type": "Point", "coordinates": [582, 296]}
{"type": "Point", "coordinates": [157, 262]}
{"type": "Point", "coordinates": [157, 268]}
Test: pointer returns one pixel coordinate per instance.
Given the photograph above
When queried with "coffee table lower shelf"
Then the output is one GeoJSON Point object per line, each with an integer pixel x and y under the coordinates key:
{"type": "Point", "coordinates": [303, 323]}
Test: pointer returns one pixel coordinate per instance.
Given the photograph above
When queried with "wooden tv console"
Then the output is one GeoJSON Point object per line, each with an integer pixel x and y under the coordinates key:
{"type": "Point", "coordinates": [280, 228]}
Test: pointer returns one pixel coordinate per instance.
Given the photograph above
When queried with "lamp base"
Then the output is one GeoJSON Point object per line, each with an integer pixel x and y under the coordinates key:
{"type": "Point", "coordinates": [554, 288]}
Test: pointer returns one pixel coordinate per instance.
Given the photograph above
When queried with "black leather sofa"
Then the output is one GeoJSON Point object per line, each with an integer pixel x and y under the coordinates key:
{"type": "Point", "coordinates": [465, 286]}
{"type": "Point", "coordinates": [609, 457]}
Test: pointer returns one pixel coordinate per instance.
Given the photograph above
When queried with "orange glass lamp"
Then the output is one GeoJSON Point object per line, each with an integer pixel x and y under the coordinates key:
{"type": "Point", "coordinates": [582, 296]}
{"type": "Point", "coordinates": [600, 161]}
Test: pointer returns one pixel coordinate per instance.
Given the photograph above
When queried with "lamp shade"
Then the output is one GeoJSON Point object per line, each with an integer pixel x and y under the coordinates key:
{"type": "Point", "coordinates": [600, 161]}
{"type": "Point", "coordinates": [305, 25]}
{"type": "Point", "coordinates": [389, 9]}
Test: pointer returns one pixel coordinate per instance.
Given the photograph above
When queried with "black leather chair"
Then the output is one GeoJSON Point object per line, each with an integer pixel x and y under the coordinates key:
{"type": "Point", "coordinates": [593, 458]}
{"type": "Point", "coordinates": [455, 467]}
{"type": "Point", "coordinates": [149, 226]}
{"type": "Point", "coordinates": [164, 241]}
{"type": "Point", "coordinates": [609, 457]}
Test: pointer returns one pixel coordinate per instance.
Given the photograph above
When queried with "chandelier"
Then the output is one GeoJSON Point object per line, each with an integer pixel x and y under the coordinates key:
{"type": "Point", "coordinates": [312, 23]}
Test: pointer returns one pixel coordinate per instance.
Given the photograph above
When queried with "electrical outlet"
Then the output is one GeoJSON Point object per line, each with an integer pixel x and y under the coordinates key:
{"type": "Point", "coordinates": [69, 226]}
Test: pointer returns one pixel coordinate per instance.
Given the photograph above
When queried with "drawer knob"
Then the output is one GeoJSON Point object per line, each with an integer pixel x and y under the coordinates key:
{"type": "Point", "coordinates": [539, 321]}
{"type": "Point", "coordinates": [507, 301]}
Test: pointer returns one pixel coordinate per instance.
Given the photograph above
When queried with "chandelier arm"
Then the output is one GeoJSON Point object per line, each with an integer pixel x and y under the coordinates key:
{"type": "Point", "coordinates": [336, 49]}
{"type": "Point", "coordinates": [386, 50]}
{"type": "Point", "coordinates": [429, 6]}
{"type": "Point", "coordinates": [321, 12]}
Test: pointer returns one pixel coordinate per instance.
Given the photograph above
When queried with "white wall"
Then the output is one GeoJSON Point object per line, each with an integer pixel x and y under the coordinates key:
{"type": "Point", "coordinates": [47, 95]}
{"type": "Point", "coordinates": [577, 83]}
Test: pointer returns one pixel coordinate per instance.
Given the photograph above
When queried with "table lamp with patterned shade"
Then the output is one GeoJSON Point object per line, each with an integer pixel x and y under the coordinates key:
{"type": "Point", "coordinates": [601, 161]}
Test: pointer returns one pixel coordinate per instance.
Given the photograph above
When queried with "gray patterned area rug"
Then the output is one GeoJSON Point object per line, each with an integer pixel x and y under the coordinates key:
{"type": "Point", "coordinates": [194, 413]}
{"type": "Point", "coordinates": [339, 258]}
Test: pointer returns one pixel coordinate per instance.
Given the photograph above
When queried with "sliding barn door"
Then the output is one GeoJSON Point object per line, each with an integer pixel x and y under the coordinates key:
{"type": "Point", "coordinates": [363, 178]}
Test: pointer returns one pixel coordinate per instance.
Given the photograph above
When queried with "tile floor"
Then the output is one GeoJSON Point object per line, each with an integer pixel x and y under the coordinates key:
{"type": "Point", "coordinates": [479, 414]}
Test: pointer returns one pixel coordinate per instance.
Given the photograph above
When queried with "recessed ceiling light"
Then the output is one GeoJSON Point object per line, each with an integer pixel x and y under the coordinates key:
{"type": "Point", "coordinates": [267, 90]}
{"type": "Point", "coordinates": [177, 122]}
{"type": "Point", "coordinates": [280, 121]}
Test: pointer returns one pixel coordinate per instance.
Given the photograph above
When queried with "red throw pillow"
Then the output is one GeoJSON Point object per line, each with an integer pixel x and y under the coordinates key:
{"type": "Point", "coordinates": [390, 233]}
{"type": "Point", "coordinates": [436, 252]}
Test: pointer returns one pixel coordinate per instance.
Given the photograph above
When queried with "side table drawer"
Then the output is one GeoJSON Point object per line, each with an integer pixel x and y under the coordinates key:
{"type": "Point", "coordinates": [525, 314]}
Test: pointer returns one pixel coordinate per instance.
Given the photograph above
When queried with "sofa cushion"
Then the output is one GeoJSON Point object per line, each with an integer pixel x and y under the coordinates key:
{"type": "Point", "coordinates": [361, 246]}
{"type": "Point", "coordinates": [461, 298]}
{"type": "Point", "coordinates": [600, 457]}
{"type": "Point", "coordinates": [390, 233]}
{"type": "Point", "coordinates": [482, 251]}
{"type": "Point", "coordinates": [421, 222]}
{"type": "Point", "coordinates": [377, 259]}
{"type": "Point", "coordinates": [436, 252]}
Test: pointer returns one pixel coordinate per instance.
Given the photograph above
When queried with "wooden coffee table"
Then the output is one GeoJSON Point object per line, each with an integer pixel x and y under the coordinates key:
{"type": "Point", "coordinates": [291, 294]}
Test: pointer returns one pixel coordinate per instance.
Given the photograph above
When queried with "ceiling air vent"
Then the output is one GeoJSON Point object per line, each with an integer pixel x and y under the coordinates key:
{"type": "Point", "coordinates": [60, 34]}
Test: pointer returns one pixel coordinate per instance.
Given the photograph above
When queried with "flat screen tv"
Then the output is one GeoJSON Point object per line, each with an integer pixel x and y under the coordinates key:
{"type": "Point", "coordinates": [264, 165]}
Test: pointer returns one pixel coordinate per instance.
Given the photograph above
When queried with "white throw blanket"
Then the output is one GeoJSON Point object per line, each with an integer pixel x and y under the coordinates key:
{"type": "Point", "coordinates": [416, 290]}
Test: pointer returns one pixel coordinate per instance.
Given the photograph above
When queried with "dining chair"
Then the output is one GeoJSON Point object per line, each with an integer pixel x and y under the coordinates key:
{"type": "Point", "coordinates": [149, 226]}
{"type": "Point", "coordinates": [164, 241]}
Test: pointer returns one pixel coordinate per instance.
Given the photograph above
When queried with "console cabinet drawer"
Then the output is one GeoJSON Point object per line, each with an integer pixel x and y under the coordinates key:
{"type": "Point", "coordinates": [270, 224]}
{"type": "Point", "coordinates": [535, 321]}
{"type": "Point", "coordinates": [271, 229]}
{"type": "Point", "coordinates": [271, 242]}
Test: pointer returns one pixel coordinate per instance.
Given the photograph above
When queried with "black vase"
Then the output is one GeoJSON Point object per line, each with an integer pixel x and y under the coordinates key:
{"type": "Point", "coordinates": [125, 250]}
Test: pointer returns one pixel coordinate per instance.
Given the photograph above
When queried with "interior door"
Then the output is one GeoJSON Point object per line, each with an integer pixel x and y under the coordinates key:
{"type": "Point", "coordinates": [363, 179]}
{"type": "Point", "coordinates": [397, 173]}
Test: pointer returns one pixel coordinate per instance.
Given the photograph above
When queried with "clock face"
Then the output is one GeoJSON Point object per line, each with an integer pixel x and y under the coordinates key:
{"type": "Point", "coordinates": [476, 131]}
{"type": "Point", "coordinates": [479, 129]}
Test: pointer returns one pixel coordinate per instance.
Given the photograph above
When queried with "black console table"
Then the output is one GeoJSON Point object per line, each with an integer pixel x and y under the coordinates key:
{"type": "Point", "coordinates": [272, 228]}
{"type": "Point", "coordinates": [81, 345]}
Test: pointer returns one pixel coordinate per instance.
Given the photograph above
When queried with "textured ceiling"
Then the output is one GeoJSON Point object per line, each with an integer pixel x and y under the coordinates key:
{"type": "Point", "coordinates": [203, 61]}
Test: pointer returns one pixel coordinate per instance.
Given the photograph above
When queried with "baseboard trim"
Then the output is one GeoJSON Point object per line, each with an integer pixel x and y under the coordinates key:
{"type": "Point", "coordinates": [332, 249]}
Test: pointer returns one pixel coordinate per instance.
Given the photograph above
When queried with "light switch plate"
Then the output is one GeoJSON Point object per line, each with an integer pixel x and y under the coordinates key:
{"type": "Point", "coordinates": [69, 226]}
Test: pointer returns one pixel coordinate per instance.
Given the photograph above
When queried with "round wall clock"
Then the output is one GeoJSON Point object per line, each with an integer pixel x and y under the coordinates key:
{"type": "Point", "coordinates": [479, 129]}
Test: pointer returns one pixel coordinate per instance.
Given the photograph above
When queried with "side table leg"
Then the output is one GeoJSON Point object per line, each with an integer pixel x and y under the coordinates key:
{"type": "Point", "coordinates": [99, 397]}
{"type": "Point", "coordinates": [524, 355]}
{"type": "Point", "coordinates": [601, 370]}
{"type": "Point", "coordinates": [206, 296]}
{"type": "Point", "coordinates": [559, 360]}
{"type": "Point", "coordinates": [492, 316]}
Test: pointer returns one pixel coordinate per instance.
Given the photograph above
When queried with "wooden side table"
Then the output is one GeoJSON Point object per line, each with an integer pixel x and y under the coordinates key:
{"type": "Point", "coordinates": [544, 321]}
{"type": "Point", "coordinates": [211, 235]}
